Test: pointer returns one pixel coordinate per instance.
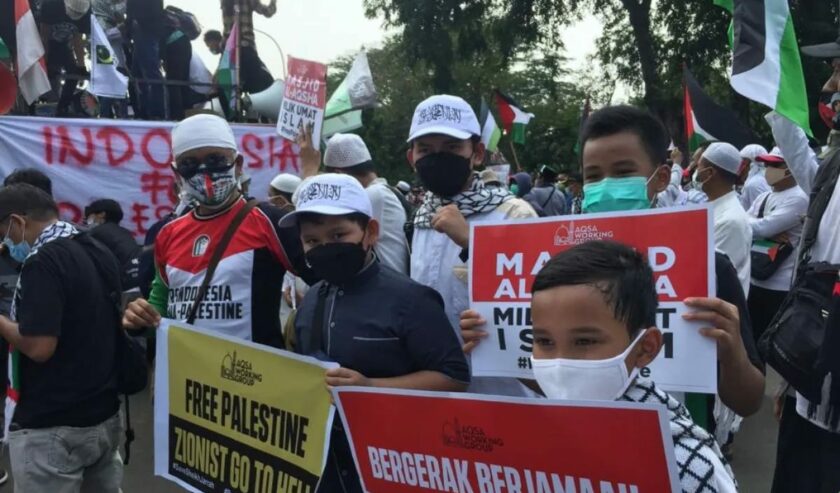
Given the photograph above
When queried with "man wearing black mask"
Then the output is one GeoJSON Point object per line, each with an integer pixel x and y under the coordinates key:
{"type": "Point", "coordinates": [444, 148]}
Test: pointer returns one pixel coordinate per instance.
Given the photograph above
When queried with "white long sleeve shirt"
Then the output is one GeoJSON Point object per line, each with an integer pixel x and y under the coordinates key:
{"type": "Point", "coordinates": [783, 213]}
{"type": "Point", "coordinates": [733, 235]}
{"type": "Point", "coordinates": [392, 247]}
{"type": "Point", "coordinates": [803, 165]}
{"type": "Point", "coordinates": [754, 186]}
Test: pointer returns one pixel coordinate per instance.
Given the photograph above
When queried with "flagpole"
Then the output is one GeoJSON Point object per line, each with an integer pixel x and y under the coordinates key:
{"type": "Point", "coordinates": [236, 88]}
{"type": "Point", "coordinates": [515, 159]}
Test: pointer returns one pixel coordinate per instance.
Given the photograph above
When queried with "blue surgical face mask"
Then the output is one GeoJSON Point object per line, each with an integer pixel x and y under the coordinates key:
{"type": "Point", "coordinates": [18, 251]}
{"type": "Point", "coordinates": [616, 194]}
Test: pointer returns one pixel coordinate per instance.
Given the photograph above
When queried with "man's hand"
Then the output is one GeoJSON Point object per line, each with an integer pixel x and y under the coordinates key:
{"type": "Point", "coordinates": [139, 314]}
{"type": "Point", "coordinates": [452, 223]}
{"type": "Point", "coordinates": [724, 326]}
{"type": "Point", "coordinates": [782, 238]}
{"type": "Point", "coordinates": [310, 155]}
{"type": "Point", "coordinates": [676, 156]}
{"type": "Point", "coordinates": [472, 329]}
{"type": "Point", "coordinates": [342, 377]}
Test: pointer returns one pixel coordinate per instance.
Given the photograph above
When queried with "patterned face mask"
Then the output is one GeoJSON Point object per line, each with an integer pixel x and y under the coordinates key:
{"type": "Point", "coordinates": [212, 189]}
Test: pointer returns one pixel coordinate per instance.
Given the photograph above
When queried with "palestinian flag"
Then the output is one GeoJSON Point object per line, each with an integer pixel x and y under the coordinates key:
{"type": "Point", "coordinates": [767, 247]}
{"type": "Point", "coordinates": [766, 67]}
{"type": "Point", "coordinates": [514, 118]}
{"type": "Point", "coordinates": [4, 50]}
{"type": "Point", "coordinates": [226, 75]}
{"type": "Point", "coordinates": [490, 131]}
{"type": "Point", "coordinates": [706, 120]}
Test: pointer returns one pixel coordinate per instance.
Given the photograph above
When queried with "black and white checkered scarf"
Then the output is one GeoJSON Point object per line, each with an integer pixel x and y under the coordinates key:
{"type": "Point", "coordinates": [696, 471]}
{"type": "Point", "coordinates": [473, 201]}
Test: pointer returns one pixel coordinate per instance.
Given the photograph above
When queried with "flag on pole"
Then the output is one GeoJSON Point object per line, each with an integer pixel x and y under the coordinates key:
{"type": "Point", "coordinates": [514, 118]}
{"type": "Point", "coordinates": [105, 79]}
{"type": "Point", "coordinates": [706, 120]}
{"type": "Point", "coordinates": [4, 50]}
{"type": "Point", "coordinates": [343, 123]}
{"type": "Point", "coordinates": [766, 67]}
{"type": "Point", "coordinates": [228, 65]}
{"type": "Point", "coordinates": [490, 131]}
{"type": "Point", "coordinates": [355, 92]}
{"type": "Point", "coordinates": [31, 67]}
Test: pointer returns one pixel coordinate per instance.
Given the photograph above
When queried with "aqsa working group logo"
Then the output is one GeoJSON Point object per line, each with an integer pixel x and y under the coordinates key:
{"type": "Point", "coordinates": [567, 234]}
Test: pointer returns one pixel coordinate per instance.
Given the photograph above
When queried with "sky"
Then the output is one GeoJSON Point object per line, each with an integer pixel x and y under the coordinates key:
{"type": "Point", "coordinates": [322, 30]}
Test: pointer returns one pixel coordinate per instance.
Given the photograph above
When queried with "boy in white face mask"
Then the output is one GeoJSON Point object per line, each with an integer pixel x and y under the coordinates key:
{"type": "Point", "coordinates": [594, 316]}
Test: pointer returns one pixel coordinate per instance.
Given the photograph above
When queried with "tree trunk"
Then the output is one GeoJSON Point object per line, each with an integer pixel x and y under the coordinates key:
{"type": "Point", "coordinates": [639, 13]}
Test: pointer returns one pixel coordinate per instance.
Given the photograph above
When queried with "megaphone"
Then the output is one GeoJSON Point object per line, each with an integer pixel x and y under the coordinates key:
{"type": "Point", "coordinates": [267, 103]}
{"type": "Point", "coordinates": [8, 89]}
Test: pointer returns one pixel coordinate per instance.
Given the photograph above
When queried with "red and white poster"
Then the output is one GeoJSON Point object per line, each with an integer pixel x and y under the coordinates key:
{"type": "Point", "coordinates": [407, 441]}
{"type": "Point", "coordinates": [506, 256]}
{"type": "Point", "coordinates": [125, 160]}
{"type": "Point", "coordinates": [304, 99]}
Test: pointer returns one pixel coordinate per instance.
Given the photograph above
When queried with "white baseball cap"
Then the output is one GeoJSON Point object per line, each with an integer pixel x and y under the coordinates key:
{"type": "Point", "coordinates": [345, 151]}
{"type": "Point", "coordinates": [286, 183]}
{"type": "Point", "coordinates": [775, 156]}
{"type": "Point", "coordinates": [330, 194]}
{"type": "Point", "coordinates": [724, 156]}
{"type": "Point", "coordinates": [446, 115]}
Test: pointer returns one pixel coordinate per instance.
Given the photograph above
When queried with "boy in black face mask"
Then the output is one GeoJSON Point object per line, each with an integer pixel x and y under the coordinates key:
{"type": "Point", "coordinates": [444, 148]}
{"type": "Point", "coordinates": [382, 328]}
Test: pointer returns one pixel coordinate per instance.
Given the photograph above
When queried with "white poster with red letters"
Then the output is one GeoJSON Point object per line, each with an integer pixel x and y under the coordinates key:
{"type": "Point", "coordinates": [506, 256]}
{"type": "Point", "coordinates": [304, 99]}
{"type": "Point", "coordinates": [128, 161]}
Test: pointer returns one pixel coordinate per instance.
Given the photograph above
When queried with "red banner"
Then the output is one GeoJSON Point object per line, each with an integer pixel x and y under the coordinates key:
{"type": "Point", "coordinates": [506, 257]}
{"type": "Point", "coordinates": [306, 82]}
{"type": "Point", "coordinates": [407, 441]}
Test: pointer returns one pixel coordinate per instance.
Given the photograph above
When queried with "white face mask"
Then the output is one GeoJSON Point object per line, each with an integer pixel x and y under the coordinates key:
{"type": "Point", "coordinates": [578, 379]}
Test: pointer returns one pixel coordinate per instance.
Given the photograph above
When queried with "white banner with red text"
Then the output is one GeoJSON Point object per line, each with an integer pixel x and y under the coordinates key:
{"type": "Point", "coordinates": [125, 160]}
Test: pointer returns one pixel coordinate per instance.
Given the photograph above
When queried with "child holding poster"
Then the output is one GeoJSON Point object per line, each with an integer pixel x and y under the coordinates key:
{"type": "Point", "coordinates": [594, 316]}
{"type": "Point", "coordinates": [384, 329]}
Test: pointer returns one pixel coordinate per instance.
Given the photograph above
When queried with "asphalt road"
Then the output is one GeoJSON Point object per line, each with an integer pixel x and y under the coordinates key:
{"type": "Point", "coordinates": [754, 450]}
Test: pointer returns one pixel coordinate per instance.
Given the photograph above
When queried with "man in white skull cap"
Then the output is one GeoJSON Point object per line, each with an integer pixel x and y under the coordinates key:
{"type": "Point", "coordinates": [348, 154]}
{"type": "Point", "coordinates": [243, 295]}
{"type": "Point", "coordinates": [755, 183]}
{"type": "Point", "coordinates": [716, 175]}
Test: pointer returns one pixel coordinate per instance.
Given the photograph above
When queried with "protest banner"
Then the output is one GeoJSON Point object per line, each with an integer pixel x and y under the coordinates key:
{"type": "Point", "coordinates": [408, 441]}
{"type": "Point", "coordinates": [128, 161]}
{"type": "Point", "coordinates": [505, 258]}
{"type": "Point", "coordinates": [304, 99]}
{"type": "Point", "coordinates": [235, 416]}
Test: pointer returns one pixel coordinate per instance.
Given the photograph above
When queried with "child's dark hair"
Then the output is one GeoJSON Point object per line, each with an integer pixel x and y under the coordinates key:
{"type": "Point", "coordinates": [621, 274]}
{"type": "Point", "coordinates": [313, 217]}
{"type": "Point", "coordinates": [613, 120]}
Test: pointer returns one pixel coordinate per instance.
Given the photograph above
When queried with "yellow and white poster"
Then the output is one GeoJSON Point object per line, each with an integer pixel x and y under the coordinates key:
{"type": "Point", "coordinates": [235, 416]}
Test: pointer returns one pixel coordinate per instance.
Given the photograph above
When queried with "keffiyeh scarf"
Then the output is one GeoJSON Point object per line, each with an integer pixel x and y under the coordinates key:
{"type": "Point", "coordinates": [476, 200]}
{"type": "Point", "coordinates": [696, 471]}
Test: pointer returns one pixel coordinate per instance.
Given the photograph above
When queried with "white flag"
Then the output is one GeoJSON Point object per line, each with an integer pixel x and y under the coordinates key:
{"type": "Point", "coordinates": [105, 79]}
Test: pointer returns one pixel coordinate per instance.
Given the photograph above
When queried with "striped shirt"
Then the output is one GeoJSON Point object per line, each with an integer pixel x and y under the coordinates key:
{"type": "Point", "coordinates": [246, 17]}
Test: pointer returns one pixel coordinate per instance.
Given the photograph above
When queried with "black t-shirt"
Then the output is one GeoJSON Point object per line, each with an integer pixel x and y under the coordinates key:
{"type": "Point", "coordinates": [729, 289]}
{"type": "Point", "coordinates": [61, 294]}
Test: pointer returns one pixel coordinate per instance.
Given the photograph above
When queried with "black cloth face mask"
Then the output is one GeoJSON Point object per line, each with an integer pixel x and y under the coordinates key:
{"type": "Point", "coordinates": [336, 263]}
{"type": "Point", "coordinates": [443, 173]}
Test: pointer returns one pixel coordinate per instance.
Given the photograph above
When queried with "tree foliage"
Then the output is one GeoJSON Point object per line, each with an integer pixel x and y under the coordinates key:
{"type": "Point", "coordinates": [644, 42]}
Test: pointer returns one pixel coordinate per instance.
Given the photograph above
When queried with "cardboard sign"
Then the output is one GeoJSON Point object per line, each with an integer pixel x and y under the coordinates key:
{"type": "Point", "coordinates": [506, 256]}
{"type": "Point", "coordinates": [126, 160]}
{"type": "Point", "coordinates": [304, 99]}
{"type": "Point", "coordinates": [231, 415]}
{"type": "Point", "coordinates": [404, 441]}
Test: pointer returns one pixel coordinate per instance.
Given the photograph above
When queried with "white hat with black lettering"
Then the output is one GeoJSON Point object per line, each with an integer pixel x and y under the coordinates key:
{"type": "Point", "coordinates": [725, 156]}
{"type": "Point", "coordinates": [330, 194]}
{"type": "Point", "coordinates": [445, 115]}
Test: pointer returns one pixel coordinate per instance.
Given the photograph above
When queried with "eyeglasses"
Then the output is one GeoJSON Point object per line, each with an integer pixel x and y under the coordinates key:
{"type": "Point", "coordinates": [211, 163]}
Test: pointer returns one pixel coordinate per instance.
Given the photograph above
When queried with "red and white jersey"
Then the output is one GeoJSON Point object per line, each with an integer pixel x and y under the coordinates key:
{"type": "Point", "coordinates": [243, 298]}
